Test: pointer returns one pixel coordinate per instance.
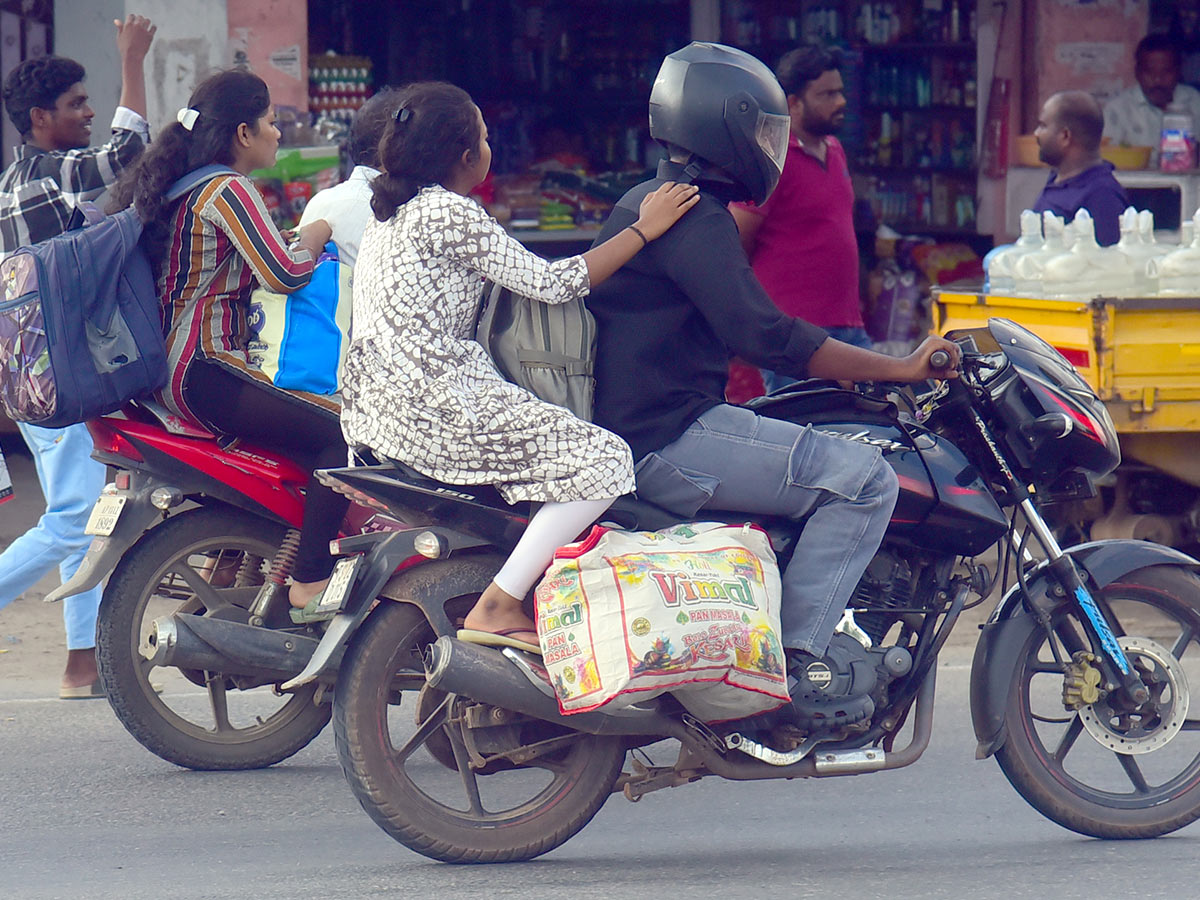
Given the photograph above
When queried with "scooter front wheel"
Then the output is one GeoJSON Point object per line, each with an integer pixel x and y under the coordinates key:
{"type": "Point", "coordinates": [437, 776]}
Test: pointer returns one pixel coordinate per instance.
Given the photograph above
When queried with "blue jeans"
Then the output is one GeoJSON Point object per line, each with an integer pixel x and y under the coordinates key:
{"type": "Point", "coordinates": [71, 481]}
{"type": "Point", "coordinates": [847, 334]}
{"type": "Point", "coordinates": [732, 459]}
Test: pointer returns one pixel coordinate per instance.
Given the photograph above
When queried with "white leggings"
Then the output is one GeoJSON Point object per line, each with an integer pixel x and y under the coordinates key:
{"type": "Point", "coordinates": [552, 526]}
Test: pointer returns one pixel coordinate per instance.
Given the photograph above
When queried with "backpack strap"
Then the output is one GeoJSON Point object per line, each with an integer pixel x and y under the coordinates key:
{"type": "Point", "coordinates": [196, 178]}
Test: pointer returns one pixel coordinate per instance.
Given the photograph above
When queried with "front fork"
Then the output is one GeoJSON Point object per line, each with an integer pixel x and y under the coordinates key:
{"type": "Point", "coordinates": [1114, 664]}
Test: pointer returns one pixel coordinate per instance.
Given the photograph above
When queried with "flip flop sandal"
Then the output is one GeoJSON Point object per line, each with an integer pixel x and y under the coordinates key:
{"type": "Point", "coordinates": [311, 614]}
{"type": "Point", "coordinates": [501, 638]}
{"type": "Point", "coordinates": [81, 691]}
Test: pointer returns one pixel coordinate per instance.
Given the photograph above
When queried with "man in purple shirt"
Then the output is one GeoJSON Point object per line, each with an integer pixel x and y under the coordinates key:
{"type": "Point", "coordinates": [1068, 134]}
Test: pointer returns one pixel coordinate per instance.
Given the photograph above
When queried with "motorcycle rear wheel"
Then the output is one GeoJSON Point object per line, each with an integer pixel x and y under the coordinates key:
{"type": "Point", "coordinates": [405, 783]}
{"type": "Point", "coordinates": [234, 729]}
{"type": "Point", "coordinates": [1083, 782]}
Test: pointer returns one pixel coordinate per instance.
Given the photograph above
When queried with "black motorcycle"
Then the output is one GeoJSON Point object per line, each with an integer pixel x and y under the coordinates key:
{"type": "Point", "coordinates": [1079, 684]}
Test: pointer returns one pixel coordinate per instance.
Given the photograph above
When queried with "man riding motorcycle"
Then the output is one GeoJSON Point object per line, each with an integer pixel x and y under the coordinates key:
{"type": "Point", "coordinates": [668, 322]}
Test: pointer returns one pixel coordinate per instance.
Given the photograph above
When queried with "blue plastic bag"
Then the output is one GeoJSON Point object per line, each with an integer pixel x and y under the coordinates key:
{"type": "Point", "coordinates": [300, 339]}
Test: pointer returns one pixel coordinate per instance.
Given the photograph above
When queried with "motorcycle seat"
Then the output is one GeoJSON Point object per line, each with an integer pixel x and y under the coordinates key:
{"type": "Point", "coordinates": [628, 512]}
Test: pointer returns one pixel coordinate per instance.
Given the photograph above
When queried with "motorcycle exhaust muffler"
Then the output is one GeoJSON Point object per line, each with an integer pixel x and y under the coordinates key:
{"type": "Point", "coordinates": [231, 648]}
{"type": "Point", "coordinates": [490, 676]}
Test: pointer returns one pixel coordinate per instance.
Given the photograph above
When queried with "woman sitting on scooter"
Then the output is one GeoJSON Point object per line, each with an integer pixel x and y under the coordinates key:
{"type": "Point", "coordinates": [210, 249]}
{"type": "Point", "coordinates": [419, 389]}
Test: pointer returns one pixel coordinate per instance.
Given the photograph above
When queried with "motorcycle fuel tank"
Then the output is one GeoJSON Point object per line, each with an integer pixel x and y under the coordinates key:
{"type": "Point", "coordinates": [943, 502]}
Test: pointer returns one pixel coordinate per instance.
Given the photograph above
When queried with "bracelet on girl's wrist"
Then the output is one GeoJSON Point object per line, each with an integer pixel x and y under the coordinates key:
{"type": "Point", "coordinates": [638, 232]}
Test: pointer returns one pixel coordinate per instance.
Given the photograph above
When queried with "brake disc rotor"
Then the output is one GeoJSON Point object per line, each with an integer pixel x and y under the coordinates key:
{"type": "Point", "coordinates": [1154, 723]}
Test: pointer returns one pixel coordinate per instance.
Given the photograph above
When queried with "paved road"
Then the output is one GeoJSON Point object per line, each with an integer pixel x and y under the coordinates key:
{"type": "Point", "coordinates": [89, 814]}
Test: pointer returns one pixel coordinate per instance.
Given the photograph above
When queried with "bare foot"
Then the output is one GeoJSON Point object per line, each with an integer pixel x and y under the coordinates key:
{"type": "Point", "coordinates": [81, 668]}
{"type": "Point", "coordinates": [301, 592]}
{"type": "Point", "coordinates": [497, 611]}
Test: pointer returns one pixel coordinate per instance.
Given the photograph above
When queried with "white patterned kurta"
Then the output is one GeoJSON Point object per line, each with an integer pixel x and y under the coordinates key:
{"type": "Point", "coordinates": [420, 389]}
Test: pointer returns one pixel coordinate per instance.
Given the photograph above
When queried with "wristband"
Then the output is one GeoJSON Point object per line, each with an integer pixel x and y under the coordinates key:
{"type": "Point", "coordinates": [638, 232]}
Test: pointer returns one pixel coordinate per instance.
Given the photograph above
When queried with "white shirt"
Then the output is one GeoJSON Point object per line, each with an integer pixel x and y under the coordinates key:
{"type": "Point", "coordinates": [346, 207]}
{"type": "Point", "coordinates": [1129, 118]}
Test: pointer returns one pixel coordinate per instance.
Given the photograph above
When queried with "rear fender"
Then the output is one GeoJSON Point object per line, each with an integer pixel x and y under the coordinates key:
{"type": "Point", "coordinates": [105, 552]}
{"type": "Point", "coordinates": [1003, 637]}
{"type": "Point", "coordinates": [421, 583]}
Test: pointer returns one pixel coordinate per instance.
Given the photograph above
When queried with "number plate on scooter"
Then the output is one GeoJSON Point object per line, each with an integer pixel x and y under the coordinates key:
{"type": "Point", "coordinates": [105, 514]}
{"type": "Point", "coordinates": [340, 583]}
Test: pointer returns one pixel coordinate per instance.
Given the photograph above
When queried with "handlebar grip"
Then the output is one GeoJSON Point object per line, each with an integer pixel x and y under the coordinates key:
{"type": "Point", "coordinates": [939, 359]}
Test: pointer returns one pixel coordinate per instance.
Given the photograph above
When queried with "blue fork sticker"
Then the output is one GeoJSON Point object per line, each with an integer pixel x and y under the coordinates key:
{"type": "Point", "coordinates": [1107, 639]}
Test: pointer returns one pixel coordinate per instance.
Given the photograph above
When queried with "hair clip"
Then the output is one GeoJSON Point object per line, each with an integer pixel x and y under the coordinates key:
{"type": "Point", "coordinates": [187, 118]}
{"type": "Point", "coordinates": [403, 114]}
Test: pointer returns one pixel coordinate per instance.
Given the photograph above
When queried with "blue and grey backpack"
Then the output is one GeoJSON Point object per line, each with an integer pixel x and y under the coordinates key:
{"type": "Point", "coordinates": [81, 328]}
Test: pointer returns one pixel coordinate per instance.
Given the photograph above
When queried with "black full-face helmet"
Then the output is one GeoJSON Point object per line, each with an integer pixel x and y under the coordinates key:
{"type": "Point", "coordinates": [725, 107]}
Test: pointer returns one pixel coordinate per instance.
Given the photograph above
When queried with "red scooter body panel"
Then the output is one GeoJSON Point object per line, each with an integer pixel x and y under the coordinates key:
{"type": "Point", "coordinates": [266, 477]}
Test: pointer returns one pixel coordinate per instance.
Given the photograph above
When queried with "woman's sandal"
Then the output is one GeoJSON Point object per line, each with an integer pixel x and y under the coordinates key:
{"type": "Point", "coordinates": [501, 638]}
{"type": "Point", "coordinates": [310, 614]}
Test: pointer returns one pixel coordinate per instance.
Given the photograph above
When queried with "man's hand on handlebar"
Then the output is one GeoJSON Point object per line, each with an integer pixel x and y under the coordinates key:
{"type": "Point", "coordinates": [935, 358]}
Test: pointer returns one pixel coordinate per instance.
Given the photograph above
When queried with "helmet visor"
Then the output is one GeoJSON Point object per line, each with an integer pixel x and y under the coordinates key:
{"type": "Point", "coordinates": [771, 133]}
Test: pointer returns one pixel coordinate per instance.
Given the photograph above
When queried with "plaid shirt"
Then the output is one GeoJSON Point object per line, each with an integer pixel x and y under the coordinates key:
{"type": "Point", "coordinates": [42, 191]}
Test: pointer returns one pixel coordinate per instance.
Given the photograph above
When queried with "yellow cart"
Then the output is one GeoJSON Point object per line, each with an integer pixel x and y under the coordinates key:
{"type": "Point", "coordinates": [1142, 357]}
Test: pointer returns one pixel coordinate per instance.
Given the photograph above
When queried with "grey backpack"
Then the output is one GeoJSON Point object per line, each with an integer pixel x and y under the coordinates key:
{"type": "Point", "coordinates": [546, 348]}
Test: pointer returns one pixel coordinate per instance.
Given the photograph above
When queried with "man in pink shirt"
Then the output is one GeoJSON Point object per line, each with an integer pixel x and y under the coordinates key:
{"type": "Point", "coordinates": [801, 242]}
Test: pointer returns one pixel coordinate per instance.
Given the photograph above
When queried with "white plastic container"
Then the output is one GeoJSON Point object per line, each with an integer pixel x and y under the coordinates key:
{"type": "Point", "coordinates": [1179, 271]}
{"type": "Point", "coordinates": [1138, 253]}
{"type": "Point", "coordinates": [999, 264]}
{"type": "Point", "coordinates": [1027, 271]}
{"type": "Point", "coordinates": [1087, 269]}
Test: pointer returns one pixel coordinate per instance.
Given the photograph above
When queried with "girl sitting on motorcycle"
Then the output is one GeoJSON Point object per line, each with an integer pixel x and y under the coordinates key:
{"type": "Point", "coordinates": [419, 389]}
{"type": "Point", "coordinates": [210, 249]}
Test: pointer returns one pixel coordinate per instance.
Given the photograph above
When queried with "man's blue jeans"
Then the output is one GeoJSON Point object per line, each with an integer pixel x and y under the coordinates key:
{"type": "Point", "coordinates": [732, 459]}
{"type": "Point", "coordinates": [71, 481]}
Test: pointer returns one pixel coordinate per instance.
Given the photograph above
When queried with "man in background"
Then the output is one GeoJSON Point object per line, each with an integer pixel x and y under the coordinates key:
{"type": "Point", "coordinates": [801, 241]}
{"type": "Point", "coordinates": [1068, 136]}
{"type": "Point", "coordinates": [1135, 116]}
{"type": "Point", "coordinates": [347, 206]}
{"type": "Point", "coordinates": [42, 194]}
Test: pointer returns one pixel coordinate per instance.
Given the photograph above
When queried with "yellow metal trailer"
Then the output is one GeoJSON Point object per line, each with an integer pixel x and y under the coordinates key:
{"type": "Point", "coordinates": [1142, 357]}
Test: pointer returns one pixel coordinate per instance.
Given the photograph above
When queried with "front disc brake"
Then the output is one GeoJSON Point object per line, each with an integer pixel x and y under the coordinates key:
{"type": "Point", "coordinates": [1153, 724]}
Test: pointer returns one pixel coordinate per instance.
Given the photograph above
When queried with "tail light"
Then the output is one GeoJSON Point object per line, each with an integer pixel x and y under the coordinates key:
{"type": "Point", "coordinates": [110, 441]}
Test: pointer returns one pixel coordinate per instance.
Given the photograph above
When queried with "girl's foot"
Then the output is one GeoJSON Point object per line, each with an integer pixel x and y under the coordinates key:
{"type": "Point", "coordinates": [301, 593]}
{"type": "Point", "coordinates": [501, 614]}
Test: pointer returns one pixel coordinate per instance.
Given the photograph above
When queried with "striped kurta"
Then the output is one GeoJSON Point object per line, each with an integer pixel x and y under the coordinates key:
{"type": "Point", "coordinates": [223, 243]}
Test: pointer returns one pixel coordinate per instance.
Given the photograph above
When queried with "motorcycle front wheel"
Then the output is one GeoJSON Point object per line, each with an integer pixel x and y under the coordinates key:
{"type": "Point", "coordinates": [432, 778]}
{"type": "Point", "coordinates": [200, 561]}
{"type": "Point", "coordinates": [1107, 770]}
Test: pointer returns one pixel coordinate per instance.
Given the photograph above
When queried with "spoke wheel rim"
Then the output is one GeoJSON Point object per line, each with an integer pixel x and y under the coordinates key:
{"type": "Point", "coordinates": [174, 581]}
{"type": "Point", "coordinates": [1141, 793]}
{"type": "Point", "coordinates": [441, 716]}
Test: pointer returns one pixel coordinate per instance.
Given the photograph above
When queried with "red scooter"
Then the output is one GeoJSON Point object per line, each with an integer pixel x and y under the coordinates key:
{"type": "Point", "coordinates": [200, 538]}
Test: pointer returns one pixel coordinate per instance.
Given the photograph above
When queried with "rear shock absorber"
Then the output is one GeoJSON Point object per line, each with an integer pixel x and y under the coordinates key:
{"type": "Point", "coordinates": [277, 576]}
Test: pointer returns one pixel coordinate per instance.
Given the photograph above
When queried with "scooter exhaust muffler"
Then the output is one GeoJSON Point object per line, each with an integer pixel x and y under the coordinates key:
{"type": "Point", "coordinates": [489, 676]}
{"type": "Point", "coordinates": [231, 648]}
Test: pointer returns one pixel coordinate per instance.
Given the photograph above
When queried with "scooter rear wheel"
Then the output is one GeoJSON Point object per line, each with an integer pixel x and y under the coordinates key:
{"type": "Point", "coordinates": [501, 811]}
{"type": "Point", "coordinates": [172, 568]}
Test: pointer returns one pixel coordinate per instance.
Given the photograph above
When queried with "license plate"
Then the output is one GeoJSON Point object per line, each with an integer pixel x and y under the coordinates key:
{"type": "Point", "coordinates": [104, 515]}
{"type": "Point", "coordinates": [340, 583]}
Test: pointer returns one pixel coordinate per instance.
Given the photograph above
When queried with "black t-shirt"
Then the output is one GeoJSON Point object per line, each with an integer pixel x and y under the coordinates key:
{"type": "Point", "coordinates": [672, 317]}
